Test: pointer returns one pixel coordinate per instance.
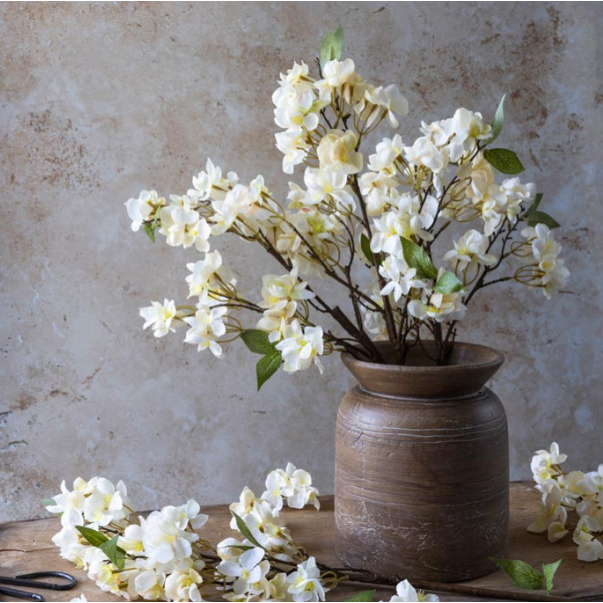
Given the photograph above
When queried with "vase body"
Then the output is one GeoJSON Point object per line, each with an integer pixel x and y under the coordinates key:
{"type": "Point", "coordinates": [422, 468]}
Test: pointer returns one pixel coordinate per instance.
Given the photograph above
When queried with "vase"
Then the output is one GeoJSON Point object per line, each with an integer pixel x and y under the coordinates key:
{"type": "Point", "coordinates": [422, 466]}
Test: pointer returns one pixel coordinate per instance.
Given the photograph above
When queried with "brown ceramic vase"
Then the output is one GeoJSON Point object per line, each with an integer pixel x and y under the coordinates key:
{"type": "Point", "coordinates": [422, 467]}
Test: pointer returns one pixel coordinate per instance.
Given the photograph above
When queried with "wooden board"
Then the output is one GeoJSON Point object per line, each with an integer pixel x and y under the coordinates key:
{"type": "Point", "coordinates": [27, 547]}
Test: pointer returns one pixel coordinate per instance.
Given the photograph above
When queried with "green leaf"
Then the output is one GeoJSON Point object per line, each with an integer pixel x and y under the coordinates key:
{"type": "Point", "coordinates": [257, 341]}
{"type": "Point", "coordinates": [504, 161]}
{"type": "Point", "coordinates": [245, 530]}
{"type": "Point", "coordinates": [365, 244]}
{"type": "Point", "coordinates": [449, 283]}
{"type": "Point", "coordinates": [241, 547]}
{"type": "Point", "coordinates": [549, 571]}
{"type": "Point", "coordinates": [267, 366]}
{"type": "Point", "coordinates": [94, 537]}
{"type": "Point", "coordinates": [365, 595]}
{"type": "Point", "coordinates": [536, 203]}
{"type": "Point", "coordinates": [48, 502]}
{"type": "Point", "coordinates": [149, 228]}
{"type": "Point", "coordinates": [523, 575]}
{"type": "Point", "coordinates": [417, 257]}
{"type": "Point", "coordinates": [332, 47]}
{"type": "Point", "coordinates": [497, 124]}
{"type": "Point", "coordinates": [116, 554]}
{"type": "Point", "coordinates": [541, 217]}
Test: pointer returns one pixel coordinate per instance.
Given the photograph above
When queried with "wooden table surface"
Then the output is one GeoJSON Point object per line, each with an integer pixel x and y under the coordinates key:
{"type": "Point", "coordinates": [26, 547]}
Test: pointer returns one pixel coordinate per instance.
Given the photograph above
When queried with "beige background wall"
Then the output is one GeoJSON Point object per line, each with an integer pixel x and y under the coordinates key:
{"type": "Point", "coordinates": [100, 100]}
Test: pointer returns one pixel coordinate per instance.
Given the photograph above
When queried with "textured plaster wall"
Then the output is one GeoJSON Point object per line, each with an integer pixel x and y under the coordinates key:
{"type": "Point", "coordinates": [98, 101]}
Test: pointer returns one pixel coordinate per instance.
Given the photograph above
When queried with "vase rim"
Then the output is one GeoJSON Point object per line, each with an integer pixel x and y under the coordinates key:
{"type": "Point", "coordinates": [471, 367]}
{"type": "Point", "coordinates": [496, 358]}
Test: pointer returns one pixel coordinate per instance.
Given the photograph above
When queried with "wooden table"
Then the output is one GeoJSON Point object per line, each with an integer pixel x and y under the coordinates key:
{"type": "Point", "coordinates": [26, 547]}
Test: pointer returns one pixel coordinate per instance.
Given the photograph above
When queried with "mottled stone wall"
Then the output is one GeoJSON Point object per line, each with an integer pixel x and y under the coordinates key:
{"type": "Point", "coordinates": [100, 100]}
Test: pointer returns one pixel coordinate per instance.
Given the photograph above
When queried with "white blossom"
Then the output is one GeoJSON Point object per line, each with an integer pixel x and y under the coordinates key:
{"type": "Point", "coordinates": [545, 463]}
{"type": "Point", "coordinates": [439, 306]}
{"type": "Point", "coordinates": [338, 73]}
{"type": "Point", "coordinates": [552, 515]}
{"type": "Point", "coordinates": [406, 593]}
{"type": "Point", "coordinates": [550, 271]}
{"type": "Point", "coordinates": [246, 571]}
{"type": "Point", "coordinates": [159, 317]}
{"type": "Point", "coordinates": [163, 540]}
{"type": "Point", "coordinates": [337, 152]}
{"type": "Point", "coordinates": [209, 274]}
{"type": "Point", "coordinates": [400, 278]}
{"type": "Point", "coordinates": [141, 209]}
{"type": "Point", "coordinates": [206, 327]}
{"type": "Point", "coordinates": [467, 127]}
{"type": "Point", "coordinates": [327, 185]}
{"type": "Point", "coordinates": [293, 146]}
{"type": "Point", "coordinates": [210, 184]}
{"type": "Point", "coordinates": [425, 153]}
{"type": "Point", "coordinates": [183, 586]}
{"type": "Point", "coordinates": [471, 249]}
{"type": "Point", "coordinates": [182, 225]}
{"type": "Point", "coordinates": [300, 348]}
{"type": "Point", "coordinates": [304, 583]}
{"type": "Point", "coordinates": [389, 99]}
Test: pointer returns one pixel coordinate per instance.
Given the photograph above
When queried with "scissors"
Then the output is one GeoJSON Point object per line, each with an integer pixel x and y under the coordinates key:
{"type": "Point", "coordinates": [30, 580]}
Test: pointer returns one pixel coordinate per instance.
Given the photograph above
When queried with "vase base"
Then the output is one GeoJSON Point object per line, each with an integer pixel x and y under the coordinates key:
{"type": "Point", "coordinates": [401, 571]}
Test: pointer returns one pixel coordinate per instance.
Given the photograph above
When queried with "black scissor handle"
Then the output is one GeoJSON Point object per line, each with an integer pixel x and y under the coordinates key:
{"type": "Point", "coordinates": [21, 594]}
{"type": "Point", "coordinates": [31, 580]}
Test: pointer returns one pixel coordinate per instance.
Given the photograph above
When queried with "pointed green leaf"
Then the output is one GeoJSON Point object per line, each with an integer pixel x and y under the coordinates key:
{"type": "Point", "coordinates": [242, 527]}
{"type": "Point", "coordinates": [504, 160]}
{"type": "Point", "coordinates": [417, 257]}
{"type": "Point", "coordinates": [94, 537]}
{"type": "Point", "coordinates": [149, 228]}
{"type": "Point", "coordinates": [497, 124]}
{"type": "Point", "coordinates": [523, 575]}
{"type": "Point", "coordinates": [365, 244]}
{"type": "Point", "coordinates": [549, 571]}
{"type": "Point", "coordinates": [448, 283]}
{"type": "Point", "coordinates": [365, 595]}
{"type": "Point", "coordinates": [541, 217]}
{"type": "Point", "coordinates": [48, 502]}
{"type": "Point", "coordinates": [116, 554]}
{"type": "Point", "coordinates": [267, 366]}
{"type": "Point", "coordinates": [257, 341]}
{"type": "Point", "coordinates": [332, 47]}
{"type": "Point", "coordinates": [536, 203]}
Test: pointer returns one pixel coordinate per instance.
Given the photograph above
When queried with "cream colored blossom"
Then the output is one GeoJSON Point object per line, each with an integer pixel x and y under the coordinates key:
{"type": "Point", "coordinates": [299, 348]}
{"type": "Point", "coordinates": [142, 208]}
{"type": "Point", "coordinates": [337, 152]}
{"type": "Point", "coordinates": [159, 317]}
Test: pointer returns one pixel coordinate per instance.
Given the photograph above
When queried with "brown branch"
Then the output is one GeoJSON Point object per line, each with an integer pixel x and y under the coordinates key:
{"type": "Point", "coordinates": [390, 323]}
{"type": "Point", "coordinates": [358, 334]}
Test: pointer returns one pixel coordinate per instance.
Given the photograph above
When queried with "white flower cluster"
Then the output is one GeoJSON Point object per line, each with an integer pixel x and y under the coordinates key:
{"type": "Point", "coordinates": [385, 214]}
{"type": "Point", "coordinates": [159, 563]}
{"type": "Point", "coordinates": [546, 269]}
{"type": "Point", "coordinates": [162, 557]}
{"type": "Point", "coordinates": [562, 492]}
{"type": "Point", "coordinates": [162, 553]}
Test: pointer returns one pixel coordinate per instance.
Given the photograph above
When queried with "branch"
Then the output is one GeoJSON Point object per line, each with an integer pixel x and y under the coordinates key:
{"type": "Point", "coordinates": [390, 323]}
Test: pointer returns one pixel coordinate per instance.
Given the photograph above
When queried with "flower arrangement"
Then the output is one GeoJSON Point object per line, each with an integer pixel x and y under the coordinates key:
{"type": "Point", "coordinates": [162, 557]}
{"type": "Point", "coordinates": [385, 217]}
{"type": "Point", "coordinates": [575, 492]}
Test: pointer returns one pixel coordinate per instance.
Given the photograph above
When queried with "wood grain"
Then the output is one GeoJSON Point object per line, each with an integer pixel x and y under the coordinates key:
{"type": "Point", "coordinates": [26, 546]}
